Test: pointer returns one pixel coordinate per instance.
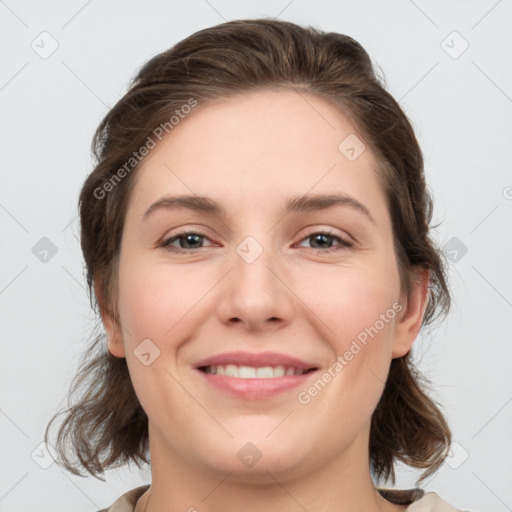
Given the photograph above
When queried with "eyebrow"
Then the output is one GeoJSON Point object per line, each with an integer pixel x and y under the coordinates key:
{"type": "Point", "coordinates": [295, 204]}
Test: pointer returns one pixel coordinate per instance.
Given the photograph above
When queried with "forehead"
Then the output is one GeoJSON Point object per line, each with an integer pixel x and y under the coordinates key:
{"type": "Point", "coordinates": [259, 148]}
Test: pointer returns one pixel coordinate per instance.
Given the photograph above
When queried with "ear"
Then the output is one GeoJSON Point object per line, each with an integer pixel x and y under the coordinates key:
{"type": "Point", "coordinates": [409, 324]}
{"type": "Point", "coordinates": [112, 327]}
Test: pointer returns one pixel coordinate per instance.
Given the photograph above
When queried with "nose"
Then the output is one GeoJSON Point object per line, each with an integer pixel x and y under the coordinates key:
{"type": "Point", "coordinates": [255, 295]}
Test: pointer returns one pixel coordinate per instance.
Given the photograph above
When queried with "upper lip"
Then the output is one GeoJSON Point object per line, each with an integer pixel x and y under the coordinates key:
{"type": "Point", "coordinates": [256, 360]}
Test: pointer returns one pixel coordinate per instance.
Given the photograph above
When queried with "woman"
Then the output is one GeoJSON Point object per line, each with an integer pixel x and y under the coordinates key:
{"type": "Point", "coordinates": [256, 235]}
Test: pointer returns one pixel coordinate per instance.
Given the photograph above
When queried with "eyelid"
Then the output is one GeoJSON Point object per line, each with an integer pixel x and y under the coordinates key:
{"type": "Point", "coordinates": [183, 232]}
{"type": "Point", "coordinates": [319, 228]}
{"type": "Point", "coordinates": [344, 241]}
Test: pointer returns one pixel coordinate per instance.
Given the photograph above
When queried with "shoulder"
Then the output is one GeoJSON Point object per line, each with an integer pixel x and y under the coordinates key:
{"type": "Point", "coordinates": [432, 502]}
{"type": "Point", "coordinates": [127, 502]}
{"type": "Point", "coordinates": [418, 500]}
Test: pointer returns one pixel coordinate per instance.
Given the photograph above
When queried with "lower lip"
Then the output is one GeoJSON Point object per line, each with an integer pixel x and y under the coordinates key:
{"type": "Point", "coordinates": [255, 389]}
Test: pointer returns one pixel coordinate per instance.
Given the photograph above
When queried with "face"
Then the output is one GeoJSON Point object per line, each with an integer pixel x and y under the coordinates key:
{"type": "Point", "coordinates": [261, 288]}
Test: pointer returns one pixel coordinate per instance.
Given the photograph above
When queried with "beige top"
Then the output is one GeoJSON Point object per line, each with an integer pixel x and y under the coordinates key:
{"type": "Point", "coordinates": [418, 499]}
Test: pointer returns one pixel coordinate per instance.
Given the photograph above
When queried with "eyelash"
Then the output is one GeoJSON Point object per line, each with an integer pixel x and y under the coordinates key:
{"type": "Point", "coordinates": [344, 244]}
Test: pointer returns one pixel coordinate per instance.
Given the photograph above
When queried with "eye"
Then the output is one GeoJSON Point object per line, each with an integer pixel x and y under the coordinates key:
{"type": "Point", "coordinates": [190, 237]}
{"type": "Point", "coordinates": [322, 238]}
{"type": "Point", "coordinates": [187, 237]}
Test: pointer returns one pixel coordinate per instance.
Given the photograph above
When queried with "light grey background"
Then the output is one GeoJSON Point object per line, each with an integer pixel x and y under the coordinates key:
{"type": "Point", "coordinates": [461, 107]}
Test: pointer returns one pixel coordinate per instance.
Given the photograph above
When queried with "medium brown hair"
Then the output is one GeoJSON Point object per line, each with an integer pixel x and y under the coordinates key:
{"type": "Point", "coordinates": [106, 427]}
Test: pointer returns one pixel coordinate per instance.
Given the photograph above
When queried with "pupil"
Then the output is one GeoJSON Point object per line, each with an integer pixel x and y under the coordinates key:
{"type": "Point", "coordinates": [321, 237]}
{"type": "Point", "coordinates": [316, 237]}
{"type": "Point", "coordinates": [187, 237]}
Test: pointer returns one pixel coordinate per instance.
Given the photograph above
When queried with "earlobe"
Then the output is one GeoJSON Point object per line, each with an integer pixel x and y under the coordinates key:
{"type": "Point", "coordinates": [409, 324]}
{"type": "Point", "coordinates": [114, 339]}
{"type": "Point", "coordinates": [115, 346]}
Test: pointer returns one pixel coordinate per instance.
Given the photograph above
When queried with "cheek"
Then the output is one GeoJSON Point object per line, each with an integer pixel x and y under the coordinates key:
{"type": "Point", "coordinates": [353, 299]}
{"type": "Point", "coordinates": [156, 304]}
{"type": "Point", "coordinates": [358, 307]}
{"type": "Point", "coordinates": [156, 300]}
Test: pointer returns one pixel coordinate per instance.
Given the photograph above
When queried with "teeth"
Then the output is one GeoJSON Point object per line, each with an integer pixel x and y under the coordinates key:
{"type": "Point", "coordinates": [265, 372]}
{"type": "Point", "coordinates": [231, 370]}
{"type": "Point", "coordinates": [278, 371]}
{"type": "Point", "coordinates": [249, 372]}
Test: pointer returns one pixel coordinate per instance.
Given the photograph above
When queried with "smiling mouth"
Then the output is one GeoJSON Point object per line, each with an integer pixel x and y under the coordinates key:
{"type": "Point", "coordinates": [251, 372]}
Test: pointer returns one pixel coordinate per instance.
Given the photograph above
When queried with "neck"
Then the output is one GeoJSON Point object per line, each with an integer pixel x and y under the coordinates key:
{"type": "Point", "coordinates": [343, 484]}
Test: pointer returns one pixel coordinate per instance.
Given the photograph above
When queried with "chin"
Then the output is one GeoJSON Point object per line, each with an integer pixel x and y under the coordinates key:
{"type": "Point", "coordinates": [251, 458]}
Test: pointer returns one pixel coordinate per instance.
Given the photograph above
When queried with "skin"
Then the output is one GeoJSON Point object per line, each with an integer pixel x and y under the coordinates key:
{"type": "Point", "coordinates": [251, 153]}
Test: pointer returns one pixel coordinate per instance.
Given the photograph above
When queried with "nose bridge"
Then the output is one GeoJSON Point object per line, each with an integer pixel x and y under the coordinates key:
{"type": "Point", "coordinates": [255, 264]}
{"type": "Point", "coordinates": [255, 293]}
